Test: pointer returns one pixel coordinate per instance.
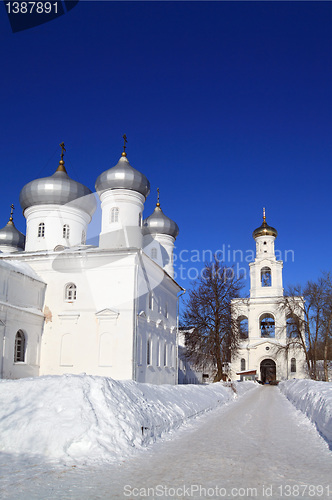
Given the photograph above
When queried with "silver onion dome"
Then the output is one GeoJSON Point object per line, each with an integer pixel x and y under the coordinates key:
{"type": "Point", "coordinates": [10, 236]}
{"type": "Point", "coordinates": [123, 176]}
{"type": "Point", "coordinates": [159, 223]}
{"type": "Point", "coordinates": [265, 229]}
{"type": "Point", "coordinates": [58, 189]}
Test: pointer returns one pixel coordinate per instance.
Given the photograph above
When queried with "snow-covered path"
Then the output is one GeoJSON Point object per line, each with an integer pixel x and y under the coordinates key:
{"type": "Point", "coordinates": [258, 447]}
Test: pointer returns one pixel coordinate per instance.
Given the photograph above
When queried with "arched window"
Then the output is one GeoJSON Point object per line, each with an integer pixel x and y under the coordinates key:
{"type": "Point", "coordinates": [291, 328]}
{"type": "Point", "coordinates": [266, 276]}
{"type": "Point", "coordinates": [267, 325]}
{"type": "Point", "coordinates": [83, 238]}
{"type": "Point", "coordinates": [150, 301]}
{"type": "Point", "coordinates": [243, 327]}
{"type": "Point", "coordinates": [158, 354]}
{"type": "Point", "coordinates": [165, 354]}
{"type": "Point", "coordinates": [140, 219]}
{"type": "Point", "coordinates": [171, 361]}
{"type": "Point", "coordinates": [65, 231]}
{"type": "Point", "coordinates": [243, 364]}
{"type": "Point", "coordinates": [148, 352]}
{"type": "Point", "coordinates": [114, 215]}
{"type": "Point", "coordinates": [166, 310]}
{"type": "Point", "coordinates": [153, 253]}
{"type": "Point", "coordinates": [70, 292]}
{"type": "Point", "coordinates": [293, 365]}
{"type": "Point", "coordinates": [19, 352]}
{"type": "Point", "coordinates": [41, 230]}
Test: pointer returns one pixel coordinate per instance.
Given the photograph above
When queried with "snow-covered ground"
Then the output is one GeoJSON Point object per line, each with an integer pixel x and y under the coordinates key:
{"type": "Point", "coordinates": [91, 438]}
{"type": "Point", "coordinates": [84, 418]}
{"type": "Point", "coordinates": [315, 400]}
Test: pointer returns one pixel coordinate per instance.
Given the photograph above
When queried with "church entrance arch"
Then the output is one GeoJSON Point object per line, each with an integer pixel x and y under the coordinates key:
{"type": "Point", "coordinates": [268, 370]}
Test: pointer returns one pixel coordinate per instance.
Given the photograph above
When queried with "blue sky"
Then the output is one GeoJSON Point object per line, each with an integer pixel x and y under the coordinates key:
{"type": "Point", "coordinates": [227, 107]}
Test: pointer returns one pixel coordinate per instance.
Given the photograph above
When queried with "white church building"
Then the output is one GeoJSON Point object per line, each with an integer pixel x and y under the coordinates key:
{"type": "Point", "coordinates": [266, 351]}
{"type": "Point", "coordinates": [69, 307]}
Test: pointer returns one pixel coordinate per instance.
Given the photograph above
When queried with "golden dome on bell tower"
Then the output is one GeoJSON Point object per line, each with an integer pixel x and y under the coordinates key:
{"type": "Point", "coordinates": [265, 229]}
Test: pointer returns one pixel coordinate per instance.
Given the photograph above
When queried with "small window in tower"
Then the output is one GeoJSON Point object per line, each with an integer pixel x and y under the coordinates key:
{"type": "Point", "coordinates": [70, 292]}
{"type": "Point", "coordinates": [243, 364]}
{"type": "Point", "coordinates": [140, 219]}
{"type": "Point", "coordinates": [65, 231]}
{"type": "Point", "coordinates": [19, 353]}
{"type": "Point", "coordinates": [165, 354]}
{"type": "Point", "coordinates": [293, 365]}
{"type": "Point", "coordinates": [41, 230]}
{"type": "Point", "coordinates": [266, 276]}
{"type": "Point", "coordinates": [83, 238]}
{"type": "Point", "coordinates": [114, 215]}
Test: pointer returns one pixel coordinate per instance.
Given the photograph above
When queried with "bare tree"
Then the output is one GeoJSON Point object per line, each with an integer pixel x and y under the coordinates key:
{"type": "Point", "coordinates": [309, 321]}
{"type": "Point", "coordinates": [213, 335]}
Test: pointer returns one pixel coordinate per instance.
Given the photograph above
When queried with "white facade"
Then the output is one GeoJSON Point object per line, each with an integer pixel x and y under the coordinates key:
{"type": "Point", "coordinates": [263, 322]}
{"type": "Point", "coordinates": [21, 320]}
{"type": "Point", "coordinates": [109, 310]}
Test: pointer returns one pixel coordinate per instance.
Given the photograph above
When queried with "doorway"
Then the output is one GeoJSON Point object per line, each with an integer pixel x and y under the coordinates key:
{"type": "Point", "coordinates": [268, 371]}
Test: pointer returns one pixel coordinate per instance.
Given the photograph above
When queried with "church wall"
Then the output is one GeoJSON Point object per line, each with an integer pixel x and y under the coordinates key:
{"type": "Point", "coordinates": [92, 331]}
{"type": "Point", "coordinates": [21, 298]}
{"type": "Point", "coordinates": [257, 348]}
{"type": "Point", "coordinates": [156, 325]}
{"type": "Point", "coordinates": [31, 325]}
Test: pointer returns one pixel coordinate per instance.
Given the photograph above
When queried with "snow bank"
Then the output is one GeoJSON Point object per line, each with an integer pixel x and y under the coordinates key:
{"type": "Point", "coordinates": [315, 400]}
{"type": "Point", "coordinates": [88, 418]}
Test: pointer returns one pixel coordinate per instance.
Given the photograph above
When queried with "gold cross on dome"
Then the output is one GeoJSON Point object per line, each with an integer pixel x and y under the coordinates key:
{"type": "Point", "coordinates": [125, 142]}
{"type": "Point", "coordinates": [11, 212]}
{"type": "Point", "coordinates": [63, 149]}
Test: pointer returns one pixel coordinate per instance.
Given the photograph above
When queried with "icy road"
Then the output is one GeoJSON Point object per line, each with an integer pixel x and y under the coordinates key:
{"type": "Point", "coordinates": [258, 447]}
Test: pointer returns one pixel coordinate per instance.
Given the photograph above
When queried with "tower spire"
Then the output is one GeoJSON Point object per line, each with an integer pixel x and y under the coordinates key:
{"type": "Point", "coordinates": [124, 145]}
{"type": "Point", "coordinates": [61, 167]}
{"type": "Point", "coordinates": [158, 196]}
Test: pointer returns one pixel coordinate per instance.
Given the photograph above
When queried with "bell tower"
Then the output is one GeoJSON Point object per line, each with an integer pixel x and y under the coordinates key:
{"type": "Point", "coordinates": [266, 270]}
